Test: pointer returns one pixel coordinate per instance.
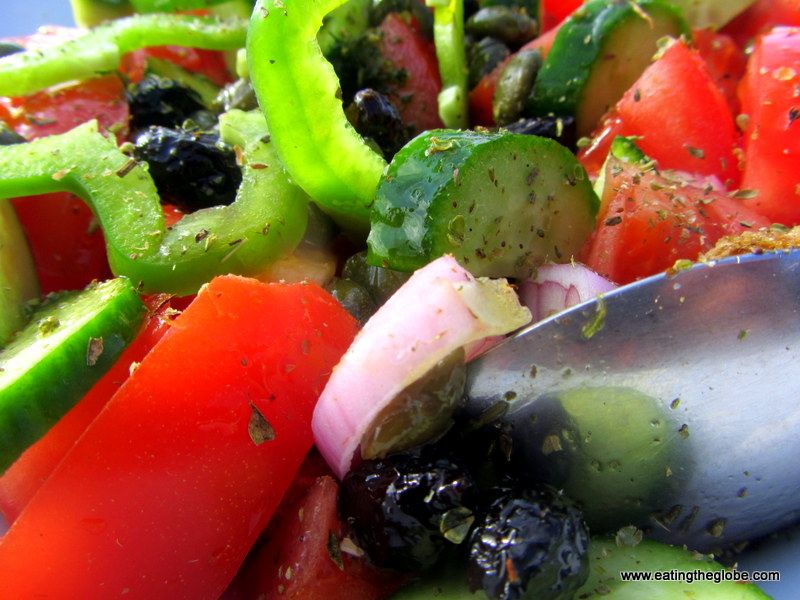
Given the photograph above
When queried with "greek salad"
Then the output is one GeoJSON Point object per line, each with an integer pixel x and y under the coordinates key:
{"type": "Point", "coordinates": [249, 249]}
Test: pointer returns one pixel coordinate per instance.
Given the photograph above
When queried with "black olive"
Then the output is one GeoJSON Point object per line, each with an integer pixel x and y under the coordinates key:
{"type": "Point", "coordinates": [560, 129]}
{"type": "Point", "coordinates": [191, 170]}
{"type": "Point", "coordinates": [8, 136]}
{"type": "Point", "coordinates": [376, 118]}
{"type": "Point", "coordinates": [406, 508]}
{"type": "Point", "coordinates": [159, 101]}
{"type": "Point", "coordinates": [532, 544]}
{"type": "Point", "coordinates": [483, 56]}
{"type": "Point", "coordinates": [470, 8]}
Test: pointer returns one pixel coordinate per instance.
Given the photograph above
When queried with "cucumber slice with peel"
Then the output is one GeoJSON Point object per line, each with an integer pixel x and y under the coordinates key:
{"type": "Point", "coordinates": [606, 560]}
{"type": "Point", "coordinates": [500, 203]}
{"type": "Point", "coordinates": [70, 342]}
{"type": "Point", "coordinates": [598, 53]}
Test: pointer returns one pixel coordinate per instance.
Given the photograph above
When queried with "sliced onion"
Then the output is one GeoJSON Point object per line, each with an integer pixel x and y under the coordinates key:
{"type": "Point", "coordinates": [440, 309]}
{"type": "Point", "coordinates": [557, 287]}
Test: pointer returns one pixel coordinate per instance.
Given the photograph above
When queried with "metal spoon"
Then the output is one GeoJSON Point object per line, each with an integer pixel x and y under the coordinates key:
{"type": "Point", "coordinates": [672, 403]}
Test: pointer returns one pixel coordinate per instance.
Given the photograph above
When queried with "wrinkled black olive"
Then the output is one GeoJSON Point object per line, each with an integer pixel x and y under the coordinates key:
{"type": "Point", "coordinates": [532, 544]}
{"type": "Point", "coordinates": [159, 101]}
{"type": "Point", "coordinates": [376, 118]}
{"type": "Point", "coordinates": [191, 170]}
{"type": "Point", "coordinates": [483, 56]}
{"type": "Point", "coordinates": [560, 129]}
{"type": "Point", "coordinates": [406, 508]}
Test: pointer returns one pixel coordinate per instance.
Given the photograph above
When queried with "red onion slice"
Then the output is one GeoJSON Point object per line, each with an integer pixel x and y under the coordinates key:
{"type": "Point", "coordinates": [559, 286]}
{"type": "Point", "coordinates": [440, 309]}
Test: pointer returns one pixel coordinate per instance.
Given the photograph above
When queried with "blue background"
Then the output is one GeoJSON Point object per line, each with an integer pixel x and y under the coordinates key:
{"type": "Point", "coordinates": [20, 17]}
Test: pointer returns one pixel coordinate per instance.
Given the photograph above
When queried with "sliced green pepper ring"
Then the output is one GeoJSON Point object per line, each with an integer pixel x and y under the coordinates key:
{"type": "Point", "coordinates": [267, 219]}
{"type": "Point", "coordinates": [100, 50]}
{"type": "Point", "coordinates": [299, 93]}
{"type": "Point", "coordinates": [448, 34]}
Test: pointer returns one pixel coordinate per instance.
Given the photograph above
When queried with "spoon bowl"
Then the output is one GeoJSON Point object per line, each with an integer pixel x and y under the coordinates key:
{"type": "Point", "coordinates": [672, 403]}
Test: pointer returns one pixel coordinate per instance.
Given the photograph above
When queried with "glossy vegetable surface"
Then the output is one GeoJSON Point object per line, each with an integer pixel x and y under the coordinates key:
{"type": "Point", "coordinates": [220, 444]}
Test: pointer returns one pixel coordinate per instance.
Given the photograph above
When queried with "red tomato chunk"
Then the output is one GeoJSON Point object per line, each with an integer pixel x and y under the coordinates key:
{"type": "Point", "coordinates": [169, 487]}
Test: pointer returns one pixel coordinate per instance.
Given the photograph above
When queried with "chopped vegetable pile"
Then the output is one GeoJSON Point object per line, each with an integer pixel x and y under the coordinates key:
{"type": "Point", "coordinates": [249, 249]}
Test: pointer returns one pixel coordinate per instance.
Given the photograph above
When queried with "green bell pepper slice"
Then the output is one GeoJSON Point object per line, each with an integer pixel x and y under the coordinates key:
{"type": "Point", "coordinates": [267, 219]}
{"type": "Point", "coordinates": [100, 50]}
{"type": "Point", "coordinates": [448, 35]}
{"type": "Point", "coordinates": [149, 6]}
{"type": "Point", "coordinates": [19, 282]}
{"type": "Point", "coordinates": [299, 93]}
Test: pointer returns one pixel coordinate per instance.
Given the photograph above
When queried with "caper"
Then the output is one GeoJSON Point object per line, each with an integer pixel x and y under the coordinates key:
{"type": "Point", "coordinates": [420, 413]}
{"type": "Point", "coordinates": [514, 27]}
{"type": "Point", "coordinates": [354, 298]}
{"type": "Point", "coordinates": [379, 282]}
{"type": "Point", "coordinates": [515, 85]}
{"type": "Point", "coordinates": [483, 56]}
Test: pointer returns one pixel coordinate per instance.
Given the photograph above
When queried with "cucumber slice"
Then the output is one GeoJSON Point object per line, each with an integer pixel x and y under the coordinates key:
{"type": "Point", "coordinates": [711, 13]}
{"type": "Point", "coordinates": [500, 203]}
{"type": "Point", "coordinates": [449, 580]}
{"type": "Point", "coordinates": [607, 559]}
{"type": "Point", "coordinates": [69, 344]}
{"type": "Point", "coordinates": [598, 53]}
{"type": "Point", "coordinates": [18, 280]}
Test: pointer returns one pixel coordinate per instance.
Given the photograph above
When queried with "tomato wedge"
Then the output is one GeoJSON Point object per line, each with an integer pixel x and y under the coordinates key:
{"type": "Point", "coordinates": [169, 487]}
{"type": "Point", "coordinates": [680, 116]}
{"type": "Point", "coordinates": [647, 222]}
{"type": "Point", "coordinates": [302, 558]}
{"type": "Point", "coordinates": [762, 16]}
{"type": "Point", "coordinates": [553, 12]}
{"type": "Point", "coordinates": [725, 62]}
{"type": "Point", "coordinates": [771, 100]}
{"type": "Point", "coordinates": [416, 98]}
